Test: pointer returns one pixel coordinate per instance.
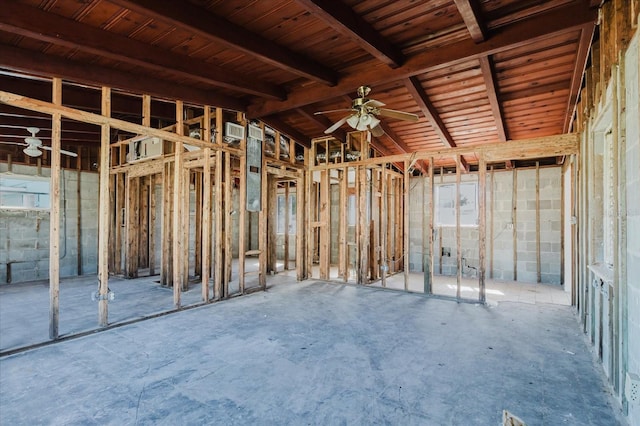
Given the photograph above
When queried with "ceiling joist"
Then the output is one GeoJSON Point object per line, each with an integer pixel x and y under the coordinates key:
{"type": "Point", "coordinates": [576, 80]}
{"type": "Point", "coordinates": [321, 123]}
{"type": "Point", "coordinates": [216, 29]}
{"type": "Point", "coordinates": [345, 21]}
{"type": "Point", "coordinates": [279, 125]}
{"type": "Point", "coordinates": [30, 62]}
{"type": "Point", "coordinates": [417, 92]}
{"type": "Point", "coordinates": [36, 24]}
{"type": "Point", "coordinates": [558, 21]}
{"type": "Point", "coordinates": [489, 81]}
{"type": "Point", "coordinates": [470, 12]}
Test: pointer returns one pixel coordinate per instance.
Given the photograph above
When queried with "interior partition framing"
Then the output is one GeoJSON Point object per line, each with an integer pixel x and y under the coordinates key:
{"type": "Point", "coordinates": [135, 192]}
{"type": "Point", "coordinates": [384, 223]}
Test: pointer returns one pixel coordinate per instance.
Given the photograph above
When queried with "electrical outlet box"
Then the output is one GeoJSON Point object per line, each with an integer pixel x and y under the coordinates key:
{"type": "Point", "coordinates": [632, 388]}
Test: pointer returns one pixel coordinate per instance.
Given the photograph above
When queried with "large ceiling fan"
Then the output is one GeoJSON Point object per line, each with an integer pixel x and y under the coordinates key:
{"type": "Point", "coordinates": [364, 114]}
{"type": "Point", "coordinates": [33, 145]}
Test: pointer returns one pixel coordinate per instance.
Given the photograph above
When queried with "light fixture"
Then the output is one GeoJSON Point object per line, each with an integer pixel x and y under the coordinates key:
{"type": "Point", "coordinates": [32, 151]}
{"type": "Point", "coordinates": [353, 120]}
{"type": "Point", "coordinates": [363, 121]}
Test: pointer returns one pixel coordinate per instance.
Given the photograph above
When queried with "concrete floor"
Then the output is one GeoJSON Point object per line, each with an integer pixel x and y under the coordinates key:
{"type": "Point", "coordinates": [316, 353]}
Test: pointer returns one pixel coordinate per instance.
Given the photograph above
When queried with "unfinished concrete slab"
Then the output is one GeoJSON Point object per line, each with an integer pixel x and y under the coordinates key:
{"type": "Point", "coordinates": [317, 353]}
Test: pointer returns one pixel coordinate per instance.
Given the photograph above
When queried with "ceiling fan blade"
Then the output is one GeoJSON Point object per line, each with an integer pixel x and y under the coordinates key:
{"type": "Point", "coordinates": [400, 115]}
{"type": "Point", "coordinates": [376, 131]}
{"type": "Point", "coordinates": [14, 143]}
{"type": "Point", "coordinates": [62, 151]}
{"type": "Point", "coordinates": [374, 103]}
{"type": "Point", "coordinates": [337, 124]}
{"type": "Point", "coordinates": [332, 110]}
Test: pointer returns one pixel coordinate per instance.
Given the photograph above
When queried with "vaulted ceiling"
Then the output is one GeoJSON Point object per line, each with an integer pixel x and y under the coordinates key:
{"type": "Point", "coordinates": [475, 71]}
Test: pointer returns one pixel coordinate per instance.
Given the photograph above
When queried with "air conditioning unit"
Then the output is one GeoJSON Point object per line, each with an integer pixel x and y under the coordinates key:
{"type": "Point", "coordinates": [144, 149]}
{"type": "Point", "coordinates": [255, 132]}
{"type": "Point", "coordinates": [233, 133]}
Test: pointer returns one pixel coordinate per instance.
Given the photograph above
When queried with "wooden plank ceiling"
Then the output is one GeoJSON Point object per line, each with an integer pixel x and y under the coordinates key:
{"type": "Point", "coordinates": [475, 71]}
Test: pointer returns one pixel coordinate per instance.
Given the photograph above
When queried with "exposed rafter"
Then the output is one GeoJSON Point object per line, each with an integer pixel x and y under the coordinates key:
{"type": "Point", "coordinates": [558, 21]}
{"type": "Point", "coordinates": [321, 123]}
{"type": "Point", "coordinates": [36, 24]}
{"type": "Point", "coordinates": [32, 62]}
{"type": "Point", "coordinates": [85, 98]}
{"type": "Point", "coordinates": [490, 83]}
{"type": "Point", "coordinates": [286, 129]}
{"type": "Point", "coordinates": [345, 21]}
{"type": "Point", "coordinates": [417, 92]}
{"type": "Point", "coordinates": [470, 12]}
{"type": "Point", "coordinates": [399, 143]}
{"type": "Point", "coordinates": [212, 27]}
{"type": "Point", "coordinates": [576, 80]}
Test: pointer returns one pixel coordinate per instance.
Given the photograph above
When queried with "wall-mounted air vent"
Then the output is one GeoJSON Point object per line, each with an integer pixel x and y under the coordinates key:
{"type": "Point", "coordinates": [142, 149]}
{"type": "Point", "coordinates": [233, 132]}
{"type": "Point", "coordinates": [255, 132]}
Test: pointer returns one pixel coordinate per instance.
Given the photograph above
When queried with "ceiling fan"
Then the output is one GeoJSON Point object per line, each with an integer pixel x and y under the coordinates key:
{"type": "Point", "coordinates": [34, 145]}
{"type": "Point", "coordinates": [364, 114]}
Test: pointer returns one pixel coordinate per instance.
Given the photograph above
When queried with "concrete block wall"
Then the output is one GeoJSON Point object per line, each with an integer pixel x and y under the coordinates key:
{"type": "Point", "coordinates": [632, 80]}
{"type": "Point", "coordinates": [24, 234]}
{"type": "Point", "coordinates": [503, 250]}
{"type": "Point", "coordinates": [417, 208]}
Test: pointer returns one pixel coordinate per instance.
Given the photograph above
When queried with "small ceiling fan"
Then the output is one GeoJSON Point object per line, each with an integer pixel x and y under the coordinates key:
{"type": "Point", "coordinates": [363, 114]}
{"type": "Point", "coordinates": [34, 144]}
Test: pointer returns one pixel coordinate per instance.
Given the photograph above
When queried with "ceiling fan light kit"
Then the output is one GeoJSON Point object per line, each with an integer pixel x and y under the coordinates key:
{"type": "Point", "coordinates": [32, 151]}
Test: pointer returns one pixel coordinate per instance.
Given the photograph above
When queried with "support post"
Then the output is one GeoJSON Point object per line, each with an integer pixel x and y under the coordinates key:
{"type": "Point", "coordinates": [363, 226]}
{"type": "Point", "coordinates": [54, 224]}
{"type": "Point", "coordinates": [152, 224]}
{"type": "Point", "coordinates": [458, 236]}
{"type": "Point", "coordinates": [538, 266]}
{"type": "Point", "coordinates": [482, 227]}
{"type": "Point", "coordinates": [491, 222]}
{"type": "Point", "coordinates": [79, 211]}
{"type": "Point", "coordinates": [406, 207]}
{"type": "Point", "coordinates": [301, 271]}
{"type": "Point", "coordinates": [262, 224]}
{"type": "Point", "coordinates": [177, 211]}
{"type": "Point", "coordinates": [429, 240]}
{"type": "Point", "coordinates": [228, 225]}
{"type": "Point", "coordinates": [219, 259]}
{"type": "Point", "coordinates": [103, 213]}
{"type": "Point", "coordinates": [384, 220]}
{"type": "Point", "coordinates": [206, 209]}
{"type": "Point", "coordinates": [272, 211]}
{"type": "Point", "coordinates": [325, 228]}
{"type": "Point", "coordinates": [287, 208]}
{"type": "Point", "coordinates": [514, 217]}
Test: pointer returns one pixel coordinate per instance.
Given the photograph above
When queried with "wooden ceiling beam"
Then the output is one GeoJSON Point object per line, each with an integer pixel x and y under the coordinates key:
{"type": "Point", "coordinates": [398, 142]}
{"type": "Point", "coordinates": [18, 125]}
{"type": "Point", "coordinates": [36, 24]}
{"type": "Point", "coordinates": [279, 125]}
{"type": "Point", "coordinates": [351, 25]}
{"type": "Point", "coordinates": [578, 71]}
{"type": "Point", "coordinates": [212, 27]}
{"type": "Point", "coordinates": [83, 98]}
{"type": "Point", "coordinates": [322, 123]}
{"type": "Point", "coordinates": [470, 12]}
{"type": "Point", "coordinates": [32, 62]}
{"type": "Point", "coordinates": [492, 93]}
{"type": "Point", "coordinates": [419, 95]}
{"type": "Point", "coordinates": [558, 21]}
{"type": "Point", "coordinates": [489, 81]}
